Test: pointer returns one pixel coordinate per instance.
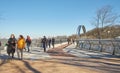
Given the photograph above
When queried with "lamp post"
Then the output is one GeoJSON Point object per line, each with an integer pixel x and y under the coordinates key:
{"type": "Point", "coordinates": [108, 32]}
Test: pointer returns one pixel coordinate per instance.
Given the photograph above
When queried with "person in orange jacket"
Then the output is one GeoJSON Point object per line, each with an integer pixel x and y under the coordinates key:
{"type": "Point", "coordinates": [20, 46]}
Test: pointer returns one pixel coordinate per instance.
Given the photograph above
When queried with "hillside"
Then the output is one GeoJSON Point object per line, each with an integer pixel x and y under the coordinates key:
{"type": "Point", "coordinates": [106, 32]}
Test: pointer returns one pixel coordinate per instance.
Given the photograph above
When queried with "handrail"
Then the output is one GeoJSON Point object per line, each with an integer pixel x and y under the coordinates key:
{"type": "Point", "coordinates": [102, 45]}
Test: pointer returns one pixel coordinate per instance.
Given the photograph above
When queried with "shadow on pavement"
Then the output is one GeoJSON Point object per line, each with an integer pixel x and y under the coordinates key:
{"type": "Point", "coordinates": [111, 66]}
{"type": "Point", "coordinates": [18, 68]}
{"type": "Point", "coordinates": [90, 54]}
{"type": "Point", "coordinates": [30, 67]}
{"type": "Point", "coordinates": [5, 59]}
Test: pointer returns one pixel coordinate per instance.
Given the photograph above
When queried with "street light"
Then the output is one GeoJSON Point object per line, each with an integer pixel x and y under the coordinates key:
{"type": "Point", "coordinates": [108, 32]}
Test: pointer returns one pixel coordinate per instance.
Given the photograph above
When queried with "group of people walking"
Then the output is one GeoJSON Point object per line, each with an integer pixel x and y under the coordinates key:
{"type": "Point", "coordinates": [17, 45]}
{"type": "Point", "coordinates": [21, 44]}
{"type": "Point", "coordinates": [47, 42]}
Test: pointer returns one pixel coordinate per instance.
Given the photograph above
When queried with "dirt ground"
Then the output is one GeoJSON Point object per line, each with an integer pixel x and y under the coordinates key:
{"type": "Point", "coordinates": [61, 63]}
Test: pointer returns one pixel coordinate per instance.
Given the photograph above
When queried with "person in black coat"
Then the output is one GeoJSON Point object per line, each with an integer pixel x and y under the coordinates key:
{"type": "Point", "coordinates": [49, 42]}
{"type": "Point", "coordinates": [11, 45]}
{"type": "Point", "coordinates": [44, 43]}
{"type": "Point", "coordinates": [53, 42]}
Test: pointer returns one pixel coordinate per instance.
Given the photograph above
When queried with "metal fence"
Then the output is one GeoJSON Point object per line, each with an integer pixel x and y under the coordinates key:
{"type": "Point", "coordinates": [102, 45]}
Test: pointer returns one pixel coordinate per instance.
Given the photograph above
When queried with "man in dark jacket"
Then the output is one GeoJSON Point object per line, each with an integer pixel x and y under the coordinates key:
{"type": "Point", "coordinates": [28, 43]}
{"type": "Point", "coordinates": [44, 43]}
{"type": "Point", "coordinates": [53, 42]}
{"type": "Point", "coordinates": [49, 42]}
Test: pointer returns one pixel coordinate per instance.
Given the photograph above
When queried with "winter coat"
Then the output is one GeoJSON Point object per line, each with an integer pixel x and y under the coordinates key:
{"type": "Point", "coordinates": [21, 43]}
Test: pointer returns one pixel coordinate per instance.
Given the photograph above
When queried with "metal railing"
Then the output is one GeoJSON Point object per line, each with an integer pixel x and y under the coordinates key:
{"type": "Point", "coordinates": [102, 45]}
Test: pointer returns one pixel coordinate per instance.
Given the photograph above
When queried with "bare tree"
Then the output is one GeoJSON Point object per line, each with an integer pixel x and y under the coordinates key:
{"type": "Point", "coordinates": [104, 16]}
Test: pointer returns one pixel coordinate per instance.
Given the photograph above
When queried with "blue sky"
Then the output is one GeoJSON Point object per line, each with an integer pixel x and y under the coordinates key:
{"type": "Point", "coordinates": [48, 17]}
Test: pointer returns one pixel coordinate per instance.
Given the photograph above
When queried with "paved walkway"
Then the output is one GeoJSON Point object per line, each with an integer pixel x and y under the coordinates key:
{"type": "Point", "coordinates": [70, 51]}
{"type": "Point", "coordinates": [35, 53]}
{"type": "Point", "coordinates": [61, 59]}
